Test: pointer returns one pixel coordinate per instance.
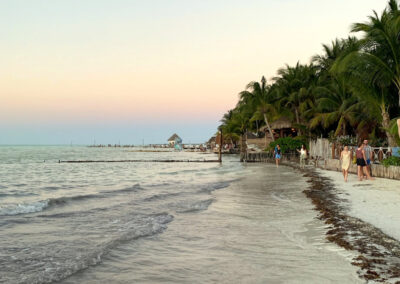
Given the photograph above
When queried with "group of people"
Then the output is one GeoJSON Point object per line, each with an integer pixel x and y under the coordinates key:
{"type": "Point", "coordinates": [302, 151]}
{"type": "Point", "coordinates": [362, 159]}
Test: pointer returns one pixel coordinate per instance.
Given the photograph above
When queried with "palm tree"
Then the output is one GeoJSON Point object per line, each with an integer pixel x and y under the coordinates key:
{"type": "Point", "coordinates": [336, 105]}
{"type": "Point", "coordinates": [331, 53]}
{"type": "Point", "coordinates": [294, 87]}
{"type": "Point", "coordinates": [229, 126]}
{"type": "Point", "coordinates": [380, 48]}
{"type": "Point", "coordinates": [257, 97]}
{"type": "Point", "coordinates": [227, 117]}
{"type": "Point", "coordinates": [374, 65]}
{"type": "Point", "coordinates": [376, 100]}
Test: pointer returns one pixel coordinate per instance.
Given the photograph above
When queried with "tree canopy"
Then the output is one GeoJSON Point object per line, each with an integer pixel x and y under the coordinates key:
{"type": "Point", "coordinates": [351, 88]}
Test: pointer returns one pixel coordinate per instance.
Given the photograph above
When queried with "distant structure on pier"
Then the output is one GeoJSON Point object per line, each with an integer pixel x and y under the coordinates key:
{"type": "Point", "coordinates": [175, 141]}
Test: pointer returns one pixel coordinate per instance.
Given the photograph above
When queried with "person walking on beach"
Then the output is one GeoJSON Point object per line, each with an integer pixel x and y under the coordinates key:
{"type": "Point", "coordinates": [303, 156]}
{"type": "Point", "coordinates": [361, 163]}
{"type": "Point", "coordinates": [345, 158]}
{"type": "Point", "coordinates": [368, 151]}
{"type": "Point", "coordinates": [277, 154]}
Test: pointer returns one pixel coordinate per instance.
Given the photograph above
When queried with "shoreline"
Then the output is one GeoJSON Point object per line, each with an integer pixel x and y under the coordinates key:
{"type": "Point", "coordinates": [378, 253]}
{"type": "Point", "coordinates": [257, 229]}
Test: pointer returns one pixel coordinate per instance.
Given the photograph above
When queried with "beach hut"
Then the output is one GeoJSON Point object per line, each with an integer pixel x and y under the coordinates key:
{"type": "Point", "coordinates": [211, 143]}
{"type": "Point", "coordinates": [282, 127]}
{"type": "Point", "coordinates": [174, 140]}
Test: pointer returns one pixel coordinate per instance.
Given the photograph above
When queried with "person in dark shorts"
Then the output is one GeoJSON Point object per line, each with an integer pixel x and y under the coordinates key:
{"type": "Point", "coordinates": [362, 162]}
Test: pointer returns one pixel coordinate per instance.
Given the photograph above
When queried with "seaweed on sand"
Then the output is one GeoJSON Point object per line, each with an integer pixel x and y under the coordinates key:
{"type": "Point", "coordinates": [379, 254]}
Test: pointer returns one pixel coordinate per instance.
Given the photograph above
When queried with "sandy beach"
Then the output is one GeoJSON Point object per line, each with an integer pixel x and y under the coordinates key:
{"type": "Point", "coordinates": [363, 218]}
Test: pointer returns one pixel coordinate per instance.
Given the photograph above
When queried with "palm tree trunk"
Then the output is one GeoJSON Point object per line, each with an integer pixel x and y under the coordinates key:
{"type": "Point", "coordinates": [265, 140]}
{"type": "Point", "coordinates": [297, 115]}
{"type": "Point", "coordinates": [385, 124]}
{"type": "Point", "coordinates": [344, 128]}
{"type": "Point", "coordinates": [269, 127]}
{"type": "Point", "coordinates": [297, 119]}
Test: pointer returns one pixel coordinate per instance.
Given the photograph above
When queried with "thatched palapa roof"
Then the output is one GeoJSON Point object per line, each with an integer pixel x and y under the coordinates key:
{"type": "Point", "coordinates": [251, 135]}
{"type": "Point", "coordinates": [173, 137]}
{"type": "Point", "coordinates": [280, 123]}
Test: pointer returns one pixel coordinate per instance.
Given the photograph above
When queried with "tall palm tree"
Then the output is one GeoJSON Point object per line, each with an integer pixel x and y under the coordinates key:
{"type": "Point", "coordinates": [294, 87]}
{"type": "Point", "coordinates": [376, 100]}
{"type": "Point", "coordinates": [257, 96]}
{"type": "Point", "coordinates": [229, 126]}
{"type": "Point", "coordinates": [227, 117]}
{"type": "Point", "coordinates": [337, 106]}
{"type": "Point", "coordinates": [374, 65]}
{"type": "Point", "coordinates": [236, 122]}
{"type": "Point", "coordinates": [324, 62]}
{"type": "Point", "coordinates": [380, 47]}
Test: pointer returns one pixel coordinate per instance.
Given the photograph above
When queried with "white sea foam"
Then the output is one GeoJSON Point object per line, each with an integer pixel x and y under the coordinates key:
{"type": "Point", "coordinates": [56, 267]}
{"type": "Point", "coordinates": [196, 206]}
{"type": "Point", "coordinates": [25, 208]}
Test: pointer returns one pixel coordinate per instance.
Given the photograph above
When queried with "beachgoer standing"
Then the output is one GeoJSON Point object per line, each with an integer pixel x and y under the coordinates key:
{"type": "Point", "coordinates": [368, 151]}
{"type": "Point", "coordinates": [345, 158]}
{"type": "Point", "coordinates": [277, 154]}
{"type": "Point", "coordinates": [361, 162]}
{"type": "Point", "coordinates": [303, 156]}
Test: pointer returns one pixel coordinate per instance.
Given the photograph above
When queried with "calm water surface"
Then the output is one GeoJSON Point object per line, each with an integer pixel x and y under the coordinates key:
{"type": "Point", "coordinates": [158, 222]}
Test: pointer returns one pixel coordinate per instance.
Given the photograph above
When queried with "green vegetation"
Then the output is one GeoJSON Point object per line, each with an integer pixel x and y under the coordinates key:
{"type": "Point", "coordinates": [287, 144]}
{"type": "Point", "coordinates": [391, 161]}
{"type": "Point", "coordinates": [352, 89]}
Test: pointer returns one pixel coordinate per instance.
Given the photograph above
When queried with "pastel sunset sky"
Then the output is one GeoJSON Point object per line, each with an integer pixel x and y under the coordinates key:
{"type": "Point", "coordinates": [127, 71]}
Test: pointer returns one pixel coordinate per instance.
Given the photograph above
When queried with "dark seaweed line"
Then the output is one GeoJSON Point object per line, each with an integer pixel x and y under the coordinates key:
{"type": "Point", "coordinates": [354, 234]}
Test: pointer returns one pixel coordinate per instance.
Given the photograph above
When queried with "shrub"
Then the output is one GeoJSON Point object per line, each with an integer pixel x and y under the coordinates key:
{"type": "Point", "coordinates": [391, 161]}
{"type": "Point", "coordinates": [288, 144]}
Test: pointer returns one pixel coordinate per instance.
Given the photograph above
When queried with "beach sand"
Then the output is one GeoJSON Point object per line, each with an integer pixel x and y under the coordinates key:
{"type": "Point", "coordinates": [364, 217]}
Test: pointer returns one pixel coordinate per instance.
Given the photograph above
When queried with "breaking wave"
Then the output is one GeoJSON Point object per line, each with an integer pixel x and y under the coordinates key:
{"type": "Point", "coordinates": [193, 207]}
{"type": "Point", "coordinates": [37, 206]}
{"type": "Point", "coordinates": [54, 271]}
{"type": "Point", "coordinates": [215, 186]}
{"type": "Point", "coordinates": [26, 208]}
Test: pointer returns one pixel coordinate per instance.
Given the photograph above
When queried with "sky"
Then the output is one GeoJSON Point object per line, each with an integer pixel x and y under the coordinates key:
{"type": "Point", "coordinates": [127, 71]}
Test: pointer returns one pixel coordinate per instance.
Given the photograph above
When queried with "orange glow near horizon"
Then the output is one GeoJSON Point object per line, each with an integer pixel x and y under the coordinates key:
{"type": "Point", "coordinates": [140, 61]}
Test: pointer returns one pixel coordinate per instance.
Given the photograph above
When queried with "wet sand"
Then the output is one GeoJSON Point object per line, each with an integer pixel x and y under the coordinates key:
{"type": "Point", "coordinates": [260, 229]}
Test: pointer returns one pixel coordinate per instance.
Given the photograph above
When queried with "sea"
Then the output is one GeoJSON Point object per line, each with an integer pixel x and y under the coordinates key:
{"type": "Point", "coordinates": [158, 222]}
